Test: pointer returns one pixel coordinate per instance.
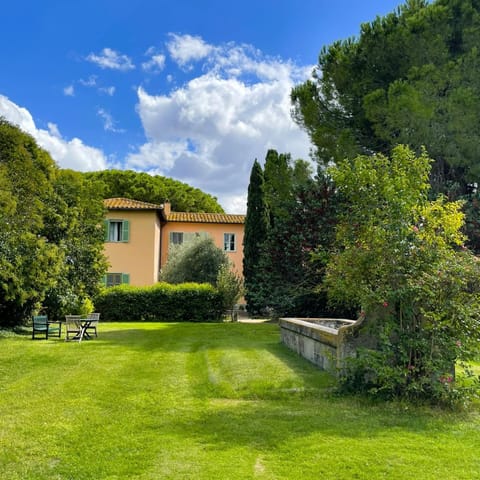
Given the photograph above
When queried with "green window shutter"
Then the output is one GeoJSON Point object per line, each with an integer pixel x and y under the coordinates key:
{"type": "Point", "coordinates": [125, 278]}
{"type": "Point", "coordinates": [104, 280]}
{"type": "Point", "coordinates": [125, 231]}
{"type": "Point", "coordinates": [106, 224]}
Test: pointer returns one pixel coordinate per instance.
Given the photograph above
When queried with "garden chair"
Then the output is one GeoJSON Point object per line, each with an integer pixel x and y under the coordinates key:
{"type": "Point", "coordinates": [73, 327]}
{"type": "Point", "coordinates": [41, 325]}
{"type": "Point", "coordinates": [94, 317]}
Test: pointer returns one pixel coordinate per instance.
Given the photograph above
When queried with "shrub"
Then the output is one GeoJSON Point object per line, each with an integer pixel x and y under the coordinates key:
{"type": "Point", "coordinates": [197, 260]}
{"type": "Point", "coordinates": [230, 286]}
{"type": "Point", "coordinates": [162, 302]}
{"type": "Point", "coordinates": [401, 257]}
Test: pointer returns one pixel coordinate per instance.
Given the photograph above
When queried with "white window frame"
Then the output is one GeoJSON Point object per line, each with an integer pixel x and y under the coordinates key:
{"type": "Point", "coordinates": [229, 242]}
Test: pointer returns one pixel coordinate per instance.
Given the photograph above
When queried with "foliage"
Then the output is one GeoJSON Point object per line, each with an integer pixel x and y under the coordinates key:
{"type": "Point", "coordinates": [230, 286]}
{"type": "Point", "coordinates": [51, 246]}
{"type": "Point", "coordinates": [189, 302]}
{"type": "Point", "coordinates": [401, 257]}
{"type": "Point", "coordinates": [75, 223]}
{"type": "Point", "coordinates": [256, 228]}
{"type": "Point", "coordinates": [290, 262]}
{"type": "Point", "coordinates": [293, 259]}
{"type": "Point", "coordinates": [198, 260]}
{"type": "Point", "coordinates": [411, 77]}
{"type": "Point", "coordinates": [154, 189]}
{"type": "Point", "coordinates": [28, 261]}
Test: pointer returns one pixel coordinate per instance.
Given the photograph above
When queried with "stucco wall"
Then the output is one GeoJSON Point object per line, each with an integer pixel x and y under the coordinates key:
{"type": "Point", "coordinates": [216, 232]}
{"type": "Point", "coordinates": [139, 257]}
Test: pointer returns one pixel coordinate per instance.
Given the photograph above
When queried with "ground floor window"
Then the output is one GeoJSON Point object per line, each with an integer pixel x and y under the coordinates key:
{"type": "Point", "coordinates": [114, 279]}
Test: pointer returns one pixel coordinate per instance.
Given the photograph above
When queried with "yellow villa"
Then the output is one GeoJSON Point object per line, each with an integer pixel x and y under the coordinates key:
{"type": "Point", "coordinates": [138, 236]}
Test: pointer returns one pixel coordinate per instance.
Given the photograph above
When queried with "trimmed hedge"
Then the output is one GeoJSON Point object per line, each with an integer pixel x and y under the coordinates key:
{"type": "Point", "coordinates": [164, 302]}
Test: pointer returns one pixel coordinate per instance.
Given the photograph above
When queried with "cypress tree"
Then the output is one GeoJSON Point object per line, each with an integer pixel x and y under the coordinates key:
{"type": "Point", "coordinates": [256, 229]}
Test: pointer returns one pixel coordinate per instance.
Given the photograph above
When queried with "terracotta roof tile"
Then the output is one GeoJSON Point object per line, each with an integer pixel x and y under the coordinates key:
{"type": "Point", "coordinates": [129, 204]}
{"type": "Point", "coordinates": [205, 217]}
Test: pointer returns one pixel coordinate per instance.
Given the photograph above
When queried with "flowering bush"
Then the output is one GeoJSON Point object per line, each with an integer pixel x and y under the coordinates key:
{"type": "Point", "coordinates": [400, 256]}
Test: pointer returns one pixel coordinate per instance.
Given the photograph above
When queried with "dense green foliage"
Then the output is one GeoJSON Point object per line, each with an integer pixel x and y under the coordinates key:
{"type": "Point", "coordinates": [50, 231]}
{"type": "Point", "coordinates": [171, 401]}
{"type": "Point", "coordinates": [411, 78]}
{"type": "Point", "coordinates": [401, 258]}
{"type": "Point", "coordinates": [163, 302]}
{"type": "Point", "coordinates": [230, 286]}
{"type": "Point", "coordinates": [198, 260]}
{"type": "Point", "coordinates": [290, 261]}
{"type": "Point", "coordinates": [76, 226]}
{"type": "Point", "coordinates": [256, 228]}
{"type": "Point", "coordinates": [154, 189]}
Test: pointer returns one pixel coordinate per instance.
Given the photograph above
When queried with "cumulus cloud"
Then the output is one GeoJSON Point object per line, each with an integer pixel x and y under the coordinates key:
{"type": "Point", "coordinates": [110, 59]}
{"type": "Point", "coordinates": [187, 48]}
{"type": "Point", "coordinates": [208, 132]}
{"type": "Point", "coordinates": [72, 154]}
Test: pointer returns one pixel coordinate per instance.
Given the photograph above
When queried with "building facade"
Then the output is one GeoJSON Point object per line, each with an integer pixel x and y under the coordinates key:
{"type": "Point", "coordinates": [138, 236]}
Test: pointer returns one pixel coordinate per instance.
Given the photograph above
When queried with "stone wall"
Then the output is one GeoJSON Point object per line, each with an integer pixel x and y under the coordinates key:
{"type": "Point", "coordinates": [326, 342]}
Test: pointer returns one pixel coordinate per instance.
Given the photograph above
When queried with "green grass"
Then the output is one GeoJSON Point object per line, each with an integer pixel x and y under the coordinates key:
{"type": "Point", "coordinates": [207, 401]}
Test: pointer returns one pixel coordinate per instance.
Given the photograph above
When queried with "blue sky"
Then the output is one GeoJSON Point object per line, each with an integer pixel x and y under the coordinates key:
{"type": "Point", "coordinates": [193, 90]}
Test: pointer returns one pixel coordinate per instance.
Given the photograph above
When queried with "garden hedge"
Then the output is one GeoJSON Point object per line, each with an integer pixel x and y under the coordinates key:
{"type": "Point", "coordinates": [164, 302]}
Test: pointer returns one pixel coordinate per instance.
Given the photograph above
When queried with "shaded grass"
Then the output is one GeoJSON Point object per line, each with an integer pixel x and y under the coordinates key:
{"type": "Point", "coordinates": [207, 401]}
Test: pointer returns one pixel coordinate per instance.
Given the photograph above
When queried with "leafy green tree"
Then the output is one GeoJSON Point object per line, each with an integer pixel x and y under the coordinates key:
{"type": "Point", "coordinates": [411, 77]}
{"type": "Point", "coordinates": [75, 224]}
{"type": "Point", "coordinates": [51, 241]}
{"type": "Point", "coordinates": [278, 177]}
{"type": "Point", "coordinates": [255, 233]}
{"type": "Point", "coordinates": [400, 256]}
{"type": "Point", "coordinates": [29, 263]}
{"type": "Point", "coordinates": [154, 189]}
{"type": "Point", "coordinates": [198, 260]}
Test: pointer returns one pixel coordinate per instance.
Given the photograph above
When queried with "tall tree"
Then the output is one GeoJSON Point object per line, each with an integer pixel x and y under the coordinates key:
{"type": "Point", "coordinates": [29, 263]}
{"type": "Point", "coordinates": [75, 223]}
{"type": "Point", "coordinates": [256, 228]}
{"type": "Point", "coordinates": [411, 77]}
{"type": "Point", "coordinates": [278, 183]}
{"type": "Point", "coordinates": [294, 254]}
{"type": "Point", "coordinates": [154, 189]}
{"type": "Point", "coordinates": [51, 238]}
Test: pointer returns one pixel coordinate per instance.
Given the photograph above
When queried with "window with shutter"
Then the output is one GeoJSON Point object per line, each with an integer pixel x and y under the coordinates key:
{"type": "Point", "coordinates": [117, 230]}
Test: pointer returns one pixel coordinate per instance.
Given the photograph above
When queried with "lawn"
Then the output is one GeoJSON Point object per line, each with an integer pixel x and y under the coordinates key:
{"type": "Point", "coordinates": [207, 401]}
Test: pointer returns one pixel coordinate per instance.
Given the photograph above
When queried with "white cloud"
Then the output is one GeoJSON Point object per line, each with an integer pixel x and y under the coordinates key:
{"type": "Point", "coordinates": [110, 91]}
{"type": "Point", "coordinates": [110, 59]}
{"type": "Point", "coordinates": [108, 121]}
{"type": "Point", "coordinates": [72, 154]}
{"type": "Point", "coordinates": [69, 91]}
{"type": "Point", "coordinates": [208, 132]}
{"type": "Point", "coordinates": [185, 48]}
{"type": "Point", "coordinates": [156, 63]}
{"type": "Point", "coordinates": [90, 82]}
